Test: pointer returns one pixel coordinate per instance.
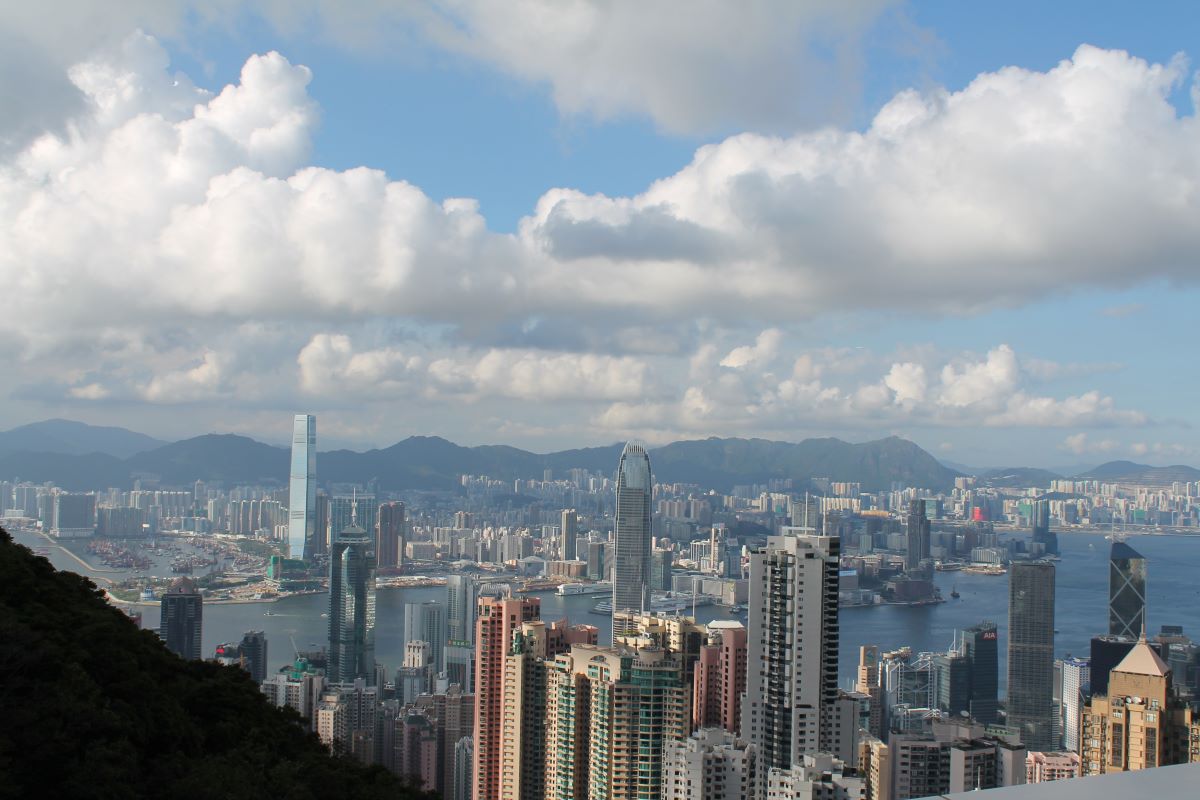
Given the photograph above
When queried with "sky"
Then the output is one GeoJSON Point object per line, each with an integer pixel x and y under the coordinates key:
{"type": "Point", "coordinates": [558, 224]}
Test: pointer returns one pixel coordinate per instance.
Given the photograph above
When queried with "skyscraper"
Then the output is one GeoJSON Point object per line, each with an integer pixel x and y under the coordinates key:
{"type": "Point", "coordinates": [253, 652]}
{"type": "Point", "coordinates": [568, 532]}
{"type": "Point", "coordinates": [500, 615]}
{"type": "Point", "coordinates": [868, 684]}
{"type": "Point", "coordinates": [792, 649]}
{"type": "Point", "coordinates": [523, 727]}
{"type": "Point", "coordinates": [389, 534]}
{"type": "Point", "coordinates": [460, 608]}
{"type": "Point", "coordinates": [610, 712]}
{"type": "Point", "coordinates": [357, 508]}
{"type": "Point", "coordinates": [1031, 653]}
{"type": "Point", "coordinates": [1076, 683]}
{"type": "Point", "coordinates": [182, 618]}
{"type": "Point", "coordinates": [352, 605]}
{"type": "Point", "coordinates": [426, 622]}
{"type": "Point", "coordinates": [631, 570]}
{"type": "Point", "coordinates": [720, 678]}
{"type": "Point", "coordinates": [1126, 591]}
{"type": "Point", "coordinates": [302, 494]}
{"type": "Point", "coordinates": [918, 535]}
{"type": "Point", "coordinates": [460, 631]}
{"type": "Point", "coordinates": [1041, 529]}
{"type": "Point", "coordinates": [980, 647]}
{"type": "Point", "coordinates": [1132, 727]}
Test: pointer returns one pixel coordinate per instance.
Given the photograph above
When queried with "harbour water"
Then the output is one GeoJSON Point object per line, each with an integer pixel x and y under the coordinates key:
{"type": "Point", "coordinates": [1173, 589]}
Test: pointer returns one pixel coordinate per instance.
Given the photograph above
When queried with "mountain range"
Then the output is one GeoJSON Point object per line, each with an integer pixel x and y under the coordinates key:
{"type": "Point", "coordinates": [79, 456]}
{"type": "Point", "coordinates": [430, 462]}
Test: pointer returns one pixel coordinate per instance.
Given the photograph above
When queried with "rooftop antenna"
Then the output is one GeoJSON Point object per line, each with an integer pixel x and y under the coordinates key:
{"type": "Point", "coordinates": [353, 506]}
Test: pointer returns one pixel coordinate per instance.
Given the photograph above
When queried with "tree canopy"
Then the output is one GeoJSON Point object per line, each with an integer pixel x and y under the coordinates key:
{"type": "Point", "coordinates": [93, 707]}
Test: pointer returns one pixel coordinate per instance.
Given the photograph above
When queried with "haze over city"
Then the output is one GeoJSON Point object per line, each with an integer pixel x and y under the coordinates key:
{"type": "Point", "coordinates": [974, 229]}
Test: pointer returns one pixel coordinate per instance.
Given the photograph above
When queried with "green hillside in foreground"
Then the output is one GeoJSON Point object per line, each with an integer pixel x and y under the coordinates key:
{"type": "Point", "coordinates": [95, 708]}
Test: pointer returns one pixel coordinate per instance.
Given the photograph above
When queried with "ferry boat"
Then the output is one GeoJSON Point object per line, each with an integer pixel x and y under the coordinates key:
{"type": "Point", "coordinates": [565, 589]}
{"type": "Point", "coordinates": [661, 604]}
{"type": "Point", "coordinates": [986, 569]}
{"type": "Point", "coordinates": [147, 595]}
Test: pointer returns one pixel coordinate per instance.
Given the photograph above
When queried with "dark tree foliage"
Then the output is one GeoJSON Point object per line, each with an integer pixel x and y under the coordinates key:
{"type": "Point", "coordinates": [90, 706]}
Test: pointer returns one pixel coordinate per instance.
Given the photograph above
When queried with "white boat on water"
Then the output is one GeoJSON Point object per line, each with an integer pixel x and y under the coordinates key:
{"type": "Point", "coordinates": [600, 587]}
{"type": "Point", "coordinates": [663, 604]}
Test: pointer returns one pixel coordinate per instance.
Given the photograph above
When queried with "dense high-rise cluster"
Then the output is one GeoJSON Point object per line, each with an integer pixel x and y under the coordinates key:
{"type": "Point", "coordinates": [487, 699]}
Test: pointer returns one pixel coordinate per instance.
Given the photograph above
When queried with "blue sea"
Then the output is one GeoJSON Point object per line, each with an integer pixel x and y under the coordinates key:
{"type": "Point", "coordinates": [1173, 590]}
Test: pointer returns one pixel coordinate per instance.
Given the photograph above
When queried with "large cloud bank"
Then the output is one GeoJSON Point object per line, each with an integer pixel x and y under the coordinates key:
{"type": "Point", "coordinates": [171, 244]}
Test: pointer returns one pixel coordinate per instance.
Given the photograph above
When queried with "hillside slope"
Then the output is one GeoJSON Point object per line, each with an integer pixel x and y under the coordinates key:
{"type": "Point", "coordinates": [94, 707]}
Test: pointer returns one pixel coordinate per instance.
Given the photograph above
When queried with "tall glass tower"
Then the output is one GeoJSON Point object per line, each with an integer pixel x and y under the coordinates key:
{"type": "Point", "coordinates": [918, 535]}
{"type": "Point", "coordinates": [631, 568]}
{"type": "Point", "coordinates": [979, 645]}
{"type": "Point", "coordinates": [302, 489]}
{"type": "Point", "coordinates": [1031, 653]}
{"type": "Point", "coordinates": [1126, 591]}
{"type": "Point", "coordinates": [352, 605]}
{"type": "Point", "coordinates": [1040, 528]}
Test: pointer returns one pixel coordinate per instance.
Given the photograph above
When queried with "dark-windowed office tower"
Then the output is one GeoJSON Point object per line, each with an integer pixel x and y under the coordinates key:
{"type": "Point", "coordinates": [918, 535]}
{"type": "Point", "coordinates": [389, 539]}
{"type": "Point", "coordinates": [1126, 591]}
{"type": "Point", "coordinates": [568, 532]}
{"type": "Point", "coordinates": [980, 648]}
{"type": "Point", "coordinates": [182, 619]}
{"type": "Point", "coordinates": [631, 569]}
{"type": "Point", "coordinates": [352, 605]}
{"type": "Point", "coordinates": [1031, 653]}
{"type": "Point", "coordinates": [253, 652]}
{"type": "Point", "coordinates": [1040, 525]}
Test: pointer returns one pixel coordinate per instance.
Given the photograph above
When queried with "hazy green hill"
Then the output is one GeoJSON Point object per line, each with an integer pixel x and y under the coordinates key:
{"type": "Point", "coordinates": [75, 438]}
{"type": "Point", "coordinates": [95, 708]}
{"type": "Point", "coordinates": [431, 462]}
{"type": "Point", "coordinates": [1141, 474]}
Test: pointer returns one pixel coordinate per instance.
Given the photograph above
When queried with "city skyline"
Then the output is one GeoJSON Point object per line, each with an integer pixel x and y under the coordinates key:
{"type": "Point", "coordinates": [735, 247]}
{"type": "Point", "coordinates": [771, 399]}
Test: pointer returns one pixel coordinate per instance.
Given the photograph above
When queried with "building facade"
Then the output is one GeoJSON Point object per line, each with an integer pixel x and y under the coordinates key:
{"type": "Point", "coordinates": [568, 533]}
{"type": "Point", "coordinates": [720, 678]}
{"type": "Point", "coordinates": [426, 622]}
{"type": "Point", "coordinates": [1031, 653]}
{"type": "Point", "coordinates": [352, 605]}
{"type": "Point", "coordinates": [1140, 724]}
{"type": "Point", "coordinates": [499, 617]}
{"type": "Point", "coordinates": [633, 534]}
{"type": "Point", "coordinates": [302, 489]}
{"type": "Point", "coordinates": [980, 646]}
{"type": "Point", "coordinates": [711, 764]}
{"type": "Point", "coordinates": [389, 541]}
{"type": "Point", "coordinates": [182, 619]}
{"type": "Point", "coordinates": [792, 649]}
{"type": "Point", "coordinates": [1126, 591]}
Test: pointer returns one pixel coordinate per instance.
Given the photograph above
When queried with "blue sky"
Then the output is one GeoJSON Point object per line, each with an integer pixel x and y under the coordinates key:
{"type": "Point", "coordinates": [797, 221]}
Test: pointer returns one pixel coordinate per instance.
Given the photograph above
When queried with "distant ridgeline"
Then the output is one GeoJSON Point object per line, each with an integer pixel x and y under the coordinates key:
{"type": "Point", "coordinates": [94, 707]}
{"type": "Point", "coordinates": [429, 462]}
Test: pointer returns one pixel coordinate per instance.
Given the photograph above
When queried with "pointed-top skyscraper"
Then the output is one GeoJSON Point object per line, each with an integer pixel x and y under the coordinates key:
{"type": "Point", "coordinates": [631, 568]}
{"type": "Point", "coordinates": [302, 488]}
{"type": "Point", "coordinates": [352, 604]}
{"type": "Point", "coordinates": [1126, 591]}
